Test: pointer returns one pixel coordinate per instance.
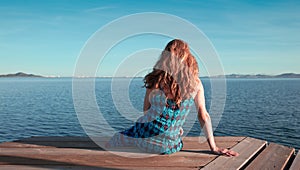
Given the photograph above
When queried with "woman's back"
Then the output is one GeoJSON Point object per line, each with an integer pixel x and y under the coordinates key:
{"type": "Point", "coordinates": [158, 130]}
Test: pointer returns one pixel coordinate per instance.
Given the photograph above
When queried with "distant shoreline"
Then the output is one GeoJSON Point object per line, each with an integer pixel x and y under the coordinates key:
{"type": "Point", "coordinates": [234, 76]}
{"type": "Point", "coordinates": [255, 76]}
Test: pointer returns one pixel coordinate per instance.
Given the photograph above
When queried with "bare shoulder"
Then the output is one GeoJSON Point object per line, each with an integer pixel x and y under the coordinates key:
{"type": "Point", "coordinates": [198, 88]}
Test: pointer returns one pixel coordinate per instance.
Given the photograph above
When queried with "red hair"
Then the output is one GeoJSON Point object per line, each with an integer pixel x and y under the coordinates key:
{"type": "Point", "coordinates": [176, 71]}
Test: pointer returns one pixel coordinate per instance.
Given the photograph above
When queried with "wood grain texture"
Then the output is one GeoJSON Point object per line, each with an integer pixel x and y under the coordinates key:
{"type": "Point", "coordinates": [83, 153]}
{"type": "Point", "coordinates": [273, 157]}
{"type": "Point", "coordinates": [74, 152]}
{"type": "Point", "coordinates": [247, 148]}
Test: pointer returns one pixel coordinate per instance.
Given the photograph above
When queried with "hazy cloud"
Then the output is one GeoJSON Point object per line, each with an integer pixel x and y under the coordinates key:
{"type": "Point", "coordinates": [99, 8]}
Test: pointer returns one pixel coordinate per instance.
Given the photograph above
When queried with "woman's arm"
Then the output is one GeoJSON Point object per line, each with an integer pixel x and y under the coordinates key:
{"type": "Point", "coordinates": [146, 101]}
{"type": "Point", "coordinates": [204, 117]}
{"type": "Point", "coordinates": [206, 125]}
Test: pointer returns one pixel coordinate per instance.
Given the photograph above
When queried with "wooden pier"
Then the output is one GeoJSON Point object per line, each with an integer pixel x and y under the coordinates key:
{"type": "Point", "coordinates": [83, 153]}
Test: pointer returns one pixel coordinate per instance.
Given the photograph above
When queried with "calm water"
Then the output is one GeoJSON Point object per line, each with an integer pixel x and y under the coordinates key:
{"type": "Point", "coordinates": [267, 109]}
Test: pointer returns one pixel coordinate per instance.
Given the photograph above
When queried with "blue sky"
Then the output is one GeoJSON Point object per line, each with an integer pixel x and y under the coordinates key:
{"type": "Point", "coordinates": [251, 37]}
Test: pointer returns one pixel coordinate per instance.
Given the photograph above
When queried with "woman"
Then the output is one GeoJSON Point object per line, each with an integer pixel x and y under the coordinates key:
{"type": "Point", "coordinates": [172, 88]}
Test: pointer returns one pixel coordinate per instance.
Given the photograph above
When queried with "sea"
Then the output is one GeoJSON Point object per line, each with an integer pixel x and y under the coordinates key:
{"type": "Point", "coordinates": [267, 109]}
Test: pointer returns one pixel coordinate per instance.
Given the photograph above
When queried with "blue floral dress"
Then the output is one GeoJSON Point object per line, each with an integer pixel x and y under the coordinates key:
{"type": "Point", "coordinates": [158, 130]}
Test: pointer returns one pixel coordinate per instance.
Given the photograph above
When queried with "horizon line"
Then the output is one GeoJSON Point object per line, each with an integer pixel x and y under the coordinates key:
{"type": "Point", "coordinates": [23, 74]}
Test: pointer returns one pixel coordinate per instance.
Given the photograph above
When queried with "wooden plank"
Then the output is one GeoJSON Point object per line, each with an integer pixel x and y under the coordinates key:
{"type": "Point", "coordinates": [200, 143]}
{"type": "Point", "coordinates": [43, 144]}
{"type": "Point", "coordinates": [273, 157]}
{"type": "Point", "coordinates": [51, 167]}
{"type": "Point", "coordinates": [59, 138]}
{"type": "Point", "coordinates": [296, 162]}
{"type": "Point", "coordinates": [247, 148]}
{"type": "Point", "coordinates": [55, 141]}
{"type": "Point", "coordinates": [21, 145]}
{"type": "Point", "coordinates": [63, 156]}
{"type": "Point", "coordinates": [194, 146]}
{"type": "Point", "coordinates": [43, 152]}
{"type": "Point", "coordinates": [157, 168]}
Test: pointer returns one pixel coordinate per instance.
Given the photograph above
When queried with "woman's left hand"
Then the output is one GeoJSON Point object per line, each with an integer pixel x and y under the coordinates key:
{"type": "Point", "coordinates": [225, 152]}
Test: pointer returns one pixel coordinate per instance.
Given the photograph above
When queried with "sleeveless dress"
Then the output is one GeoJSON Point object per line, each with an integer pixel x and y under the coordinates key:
{"type": "Point", "coordinates": [158, 130]}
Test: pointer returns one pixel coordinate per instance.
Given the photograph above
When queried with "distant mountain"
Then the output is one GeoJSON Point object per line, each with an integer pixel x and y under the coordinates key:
{"type": "Point", "coordinates": [288, 75]}
{"type": "Point", "coordinates": [20, 74]}
{"type": "Point", "coordinates": [284, 75]}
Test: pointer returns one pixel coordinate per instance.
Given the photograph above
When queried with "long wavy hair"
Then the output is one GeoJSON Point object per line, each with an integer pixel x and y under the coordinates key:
{"type": "Point", "coordinates": [176, 71]}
